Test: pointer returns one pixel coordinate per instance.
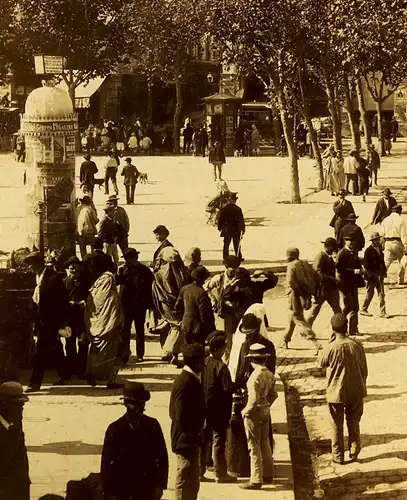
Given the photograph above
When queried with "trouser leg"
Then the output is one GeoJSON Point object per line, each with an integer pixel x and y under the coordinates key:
{"type": "Point", "coordinates": [41, 354]}
{"type": "Point", "coordinates": [336, 412]}
{"type": "Point", "coordinates": [252, 427]}
{"type": "Point", "coordinates": [187, 478]}
{"type": "Point", "coordinates": [60, 360]}
{"type": "Point", "coordinates": [128, 198]}
{"type": "Point", "coordinates": [126, 332]}
{"type": "Point", "coordinates": [132, 192]}
{"type": "Point", "coordinates": [381, 293]}
{"type": "Point", "coordinates": [71, 353]}
{"type": "Point", "coordinates": [315, 309]}
{"type": "Point", "coordinates": [370, 288]}
{"type": "Point", "coordinates": [82, 246]}
{"type": "Point", "coordinates": [354, 412]}
{"type": "Point", "coordinates": [107, 177]}
{"type": "Point", "coordinates": [351, 308]}
{"type": "Point", "coordinates": [226, 244]}
{"type": "Point", "coordinates": [266, 451]}
{"type": "Point", "coordinates": [139, 323]}
{"type": "Point", "coordinates": [220, 171]}
{"type": "Point", "coordinates": [123, 242]}
{"type": "Point", "coordinates": [114, 183]}
{"type": "Point", "coordinates": [332, 297]}
{"type": "Point", "coordinates": [206, 442]}
{"type": "Point", "coordinates": [402, 269]}
{"type": "Point", "coordinates": [219, 451]}
{"type": "Point", "coordinates": [236, 245]}
{"type": "Point", "coordinates": [290, 328]}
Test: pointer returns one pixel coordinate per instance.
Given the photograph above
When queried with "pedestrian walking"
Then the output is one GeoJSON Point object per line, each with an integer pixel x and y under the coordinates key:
{"type": "Point", "coordinates": [86, 225]}
{"type": "Point", "coordinates": [193, 308]}
{"type": "Point", "coordinates": [302, 283]}
{"type": "Point", "coordinates": [109, 231]}
{"type": "Point", "coordinates": [161, 233]}
{"type": "Point", "coordinates": [187, 133]}
{"type": "Point", "coordinates": [217, 158]}
{"type": "Point", "coordinates": [187, 413]}
{"type": "Point", "coordinates": [337, 174]}
{"type": "Point", "coordinates": [134, 455]}
{"type": "Point", "coordinates": [135, 280]}
{"type": "Point", "coordinates": [51, 304]}
{"type": "Point", "coordinates": [120, 216]}
{"type": "Point", "coordinates": [350, 167]}
{"type": "Point", "coordinates": [346, 374]}
{"type": "Point", "coordinates": [111, 167]}
{"type": "Point", "coordinates": [324, 264]}
{"type": "Point", "coordinates": [327, 157]}
{"type": "Point", "coordinates": [14, 474]}
{"type": "Point", "coordinates": [261, 394]}
{"type": "Point", "coordinates": [87, 173]}
{"type": "Point", "coordinates": [374, 164]}
{"type": "Point", "coordinates": [76, 346]}
{"type": "Point", "coordinates": [353, 230]}
{"type": "Point", "coordinates": [131, 175]}
{"type": "Point", "coordinates": [204, 140]}
{"type": "Point", "coordinates": [386, 136]}
{"type": "Point", "coordinates": [383, 206]}
{"type": "Point", "coordinates": [375, 272]}
{"type": "Point", "coordinates": [216, 287]}
{"type": "Point", "coordinates": [363, 177]}
{"type": "Point", "coordinates": [394, 128]}
{"type": "Point", "coordinates": [350, 279]}
{"type": "Point", "coordinates": [218, 390]}
{"type": "Point", "coordinates": [342, 209]}
{"type": "Point", "coordinates": [231, 226]}
{"type": "Point", "coordinates": [394, 231]}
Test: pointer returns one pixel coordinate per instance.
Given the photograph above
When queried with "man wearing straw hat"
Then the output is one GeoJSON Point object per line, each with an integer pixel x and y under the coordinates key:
{"type": "Point", "coordinates": [261, 394]}
{"type": "Point", "coordinates": [375, 272]}
{"type": "Point", "coordinates": [14, 477]}
{"type": "Point", "coordinates": [134, 456]}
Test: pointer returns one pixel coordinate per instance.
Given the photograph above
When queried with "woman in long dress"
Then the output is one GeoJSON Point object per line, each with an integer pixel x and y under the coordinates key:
{"type": "Point", "coordinates": [104, 320]}
{"type": "Point", "coordinates": [337, 177]}
{"type": "Point", "coordinates": [169, 277]}
{"type": "Point", "coordinates": [327, 156]}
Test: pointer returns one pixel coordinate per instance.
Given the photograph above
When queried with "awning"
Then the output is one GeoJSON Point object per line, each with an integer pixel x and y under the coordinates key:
{"type": "Point", "coordinates": [84, 91]}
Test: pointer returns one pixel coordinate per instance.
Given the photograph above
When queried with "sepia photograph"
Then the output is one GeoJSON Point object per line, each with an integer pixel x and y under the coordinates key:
{"type": "Point", "coordinates": [203, 249]}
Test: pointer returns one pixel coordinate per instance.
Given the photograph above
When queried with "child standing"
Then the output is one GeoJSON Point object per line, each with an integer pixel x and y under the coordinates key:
{"type": "Point", "coordinates": [218, 390]}
{"type": "Point", "coordinates": [261, 394]}
{"type": "Point", "coordinates": [217, 158]}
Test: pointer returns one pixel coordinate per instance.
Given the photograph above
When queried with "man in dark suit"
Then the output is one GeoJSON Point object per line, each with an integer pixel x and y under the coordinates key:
{"type": "Point", "coordinates": [352, 229]}
{"type": "Point", "coordinates": [77, 287]}
{"type": "Point", "coordinates": [383, 206]}
{"type": "Point", "coordinates": [374, 164]}
{"type": "Point", "coordinates": [136, 280]}
{"type": "Point", "coordinates": [194, 307]}
{"type": "Point", "coordinates": [350, 279]}
{"type": "Point", "coordinates": [324, 264]}
{"type": "Point", "coordinates": [375, 272]}
{"type": "Point", "coordinates": [187, 413]}
{"type": "Point", "coordinates": [134, 456]}
{"type": "Point", "coordinates": [87, 173]}
{"type": "Point", "coordinates": [342, 209]}
{"type": "Point", "coordinates": [52, 308]}
{"type": "Point", "coordinates": [161, 233]}
{"type": "Point", "coordinates": [231, 226]}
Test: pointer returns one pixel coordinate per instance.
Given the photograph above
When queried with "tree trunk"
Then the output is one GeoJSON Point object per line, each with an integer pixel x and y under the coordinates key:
{"type": "Point", "coordinates": [336, 120]}
{"type": "Point", "coordinates": [316, 151]}
{"type": "Point", "coordinates": [379, 110]}
{"type": "Point", "coordinates": [292, 150]}
{"type": "Point", "coordinates": [363, 114]}
{"type": "Point", "coordinates": [354, 128]}
{"type": "Point", "coordinates": [177, 114]}
{"type": "Point", "coordinates": [149, 103]}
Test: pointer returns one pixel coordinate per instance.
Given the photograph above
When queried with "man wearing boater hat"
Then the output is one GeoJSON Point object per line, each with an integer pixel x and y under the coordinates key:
{"type": "Point", "coordinates": [353, 230]}
{"type": "Point", "coordinates": [383, 207]}
{"type": "Point", "coordinates": [14, 476]}
{"type": "Point", "coordinates": [324, 264]}
{"type": "Point", "coordinates": [134, 456]}
{"type": "Point", "coordinates": [394, 231]}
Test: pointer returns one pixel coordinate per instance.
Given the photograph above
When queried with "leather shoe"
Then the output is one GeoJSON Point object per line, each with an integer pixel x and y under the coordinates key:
{"type": "Point", "coordinates": [60, 381]}
{"type": "Point", "coordinates": [251, 486]}
{"type": "Point", "coordinates": [32, 388]}
{"type": "Point", "coordinates": [226, 479]}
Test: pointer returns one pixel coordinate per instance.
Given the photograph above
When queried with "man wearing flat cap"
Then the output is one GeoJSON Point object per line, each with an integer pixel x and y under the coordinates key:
{"type": "Point", "coordinates": [349, 274]}
{"type": "Point", "coordinates": [375, 272]}
{"type": "Point", "coordinates": [52, 311]}
{"type": "Point", "coordinates": [351, 229]}
{"type": "Point", "coordinates": [136, 282]}
{"type": "Point", "coordinates": [231, 226]}
{"type": "Point", "coordinates": [394, 231]}
{"type": "Point", "coordinates": [187, 413]}
{"type": "Point", "coordinates": [324, 264]}
{"type": "Point", "coordinates": [14, 475]}
{"type": "Point", "coordinates": [342, 208]}
{"type": "Point", "coordinates": [383, 207]}
{"type": "Point", "coordinates": [194, 308]}
{"type": "Point", "coordinates": [346, 374]}
{"type": "Point", "coordinates": [161, 233]}
{"type": "Point", "coordinates": [134, 456]}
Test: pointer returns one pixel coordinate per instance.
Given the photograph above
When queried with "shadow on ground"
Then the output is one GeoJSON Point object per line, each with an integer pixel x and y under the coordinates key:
{"type": "Point", "coordinates": [67, 448]}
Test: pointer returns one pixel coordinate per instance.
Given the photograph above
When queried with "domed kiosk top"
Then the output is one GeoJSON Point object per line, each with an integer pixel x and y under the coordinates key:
{"type": "Point", "coordinates": [50, 102]}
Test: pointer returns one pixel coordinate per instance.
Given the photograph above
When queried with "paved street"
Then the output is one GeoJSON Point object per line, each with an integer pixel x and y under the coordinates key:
{"type": "Point", "coordinates": [65, 426]}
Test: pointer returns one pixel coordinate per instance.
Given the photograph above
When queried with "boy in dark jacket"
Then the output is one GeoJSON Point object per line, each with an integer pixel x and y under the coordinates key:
{"type": "Point", "coordinates": [218, 390]}
{"type": "Point", "coordinates": [375, 272]}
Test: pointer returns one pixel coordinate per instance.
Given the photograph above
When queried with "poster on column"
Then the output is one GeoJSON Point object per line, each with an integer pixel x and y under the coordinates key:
{"type": "Point", "coordinates": [59, 149]}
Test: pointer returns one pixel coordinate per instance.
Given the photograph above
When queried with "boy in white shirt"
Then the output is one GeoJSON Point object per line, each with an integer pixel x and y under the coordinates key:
{"type": "Point", "coordinates": [261, 395]}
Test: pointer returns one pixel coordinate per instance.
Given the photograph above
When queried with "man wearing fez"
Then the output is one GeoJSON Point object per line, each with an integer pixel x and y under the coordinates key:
{"type": "Point", "coordinates": [134, 456]}
{"type": "Point", "coordinates": [346, 374]}
{"type": "Point", "coordinates": [14, 477]}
